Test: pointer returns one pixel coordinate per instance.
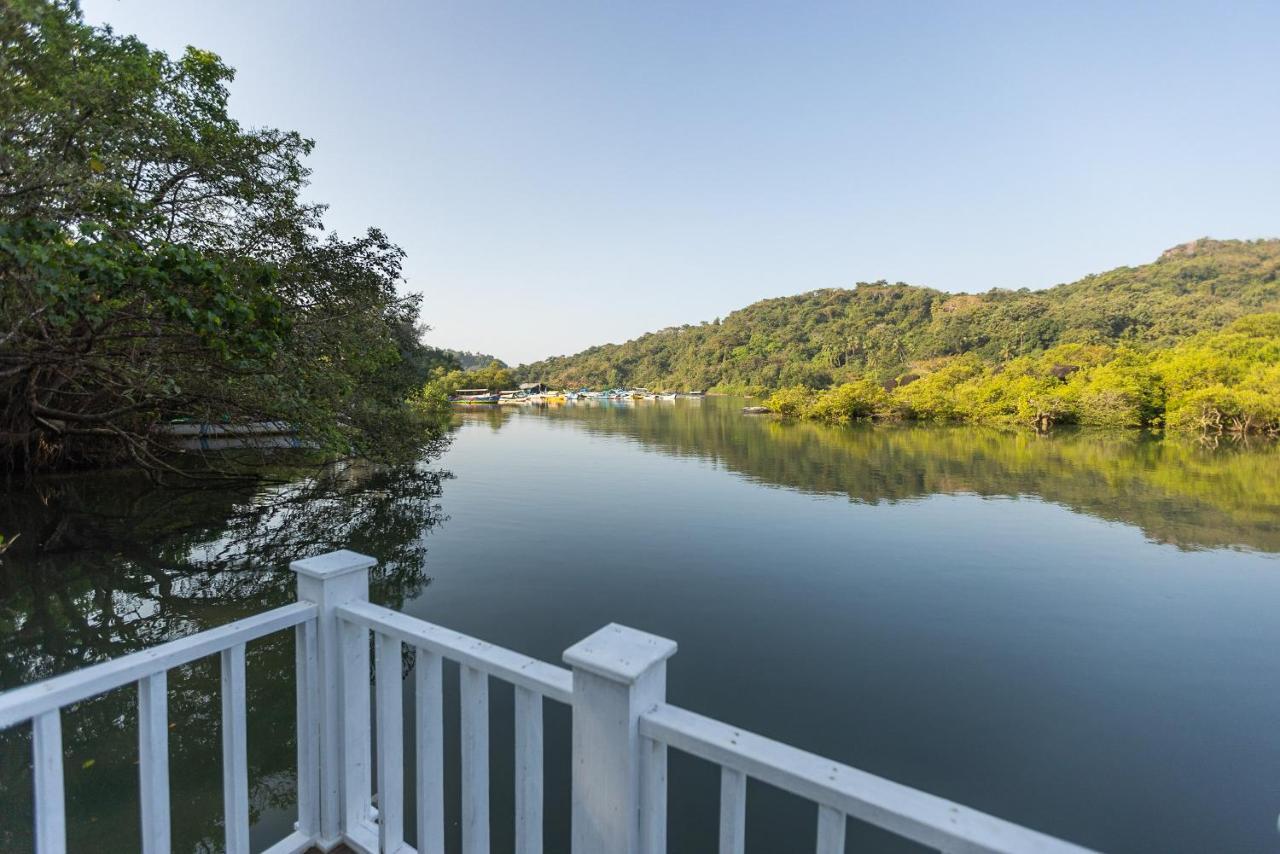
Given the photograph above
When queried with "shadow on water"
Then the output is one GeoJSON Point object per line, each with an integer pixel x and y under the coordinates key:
{"type": "Point", "coordinates": [107, 564]}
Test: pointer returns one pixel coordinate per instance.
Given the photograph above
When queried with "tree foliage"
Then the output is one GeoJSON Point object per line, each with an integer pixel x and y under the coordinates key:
{"type": "Point", "coordinates": [468, 361]}
{"type": "Point", "coordinates": [157, 262]}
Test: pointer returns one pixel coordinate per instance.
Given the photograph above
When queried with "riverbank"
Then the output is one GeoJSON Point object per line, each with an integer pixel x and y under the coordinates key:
{"type": "Point", "coordinates": [1214, 384]}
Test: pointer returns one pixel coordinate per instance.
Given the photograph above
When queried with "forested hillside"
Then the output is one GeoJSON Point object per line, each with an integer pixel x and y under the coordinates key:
{"type": "Point", "coordinates": [469, 361]}
{"type": "Point", "coordinates": [883, 331]}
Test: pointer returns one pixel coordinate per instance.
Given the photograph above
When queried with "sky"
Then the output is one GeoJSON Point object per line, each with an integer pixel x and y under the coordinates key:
{"type": "Point", "coordinates": [568, 174]}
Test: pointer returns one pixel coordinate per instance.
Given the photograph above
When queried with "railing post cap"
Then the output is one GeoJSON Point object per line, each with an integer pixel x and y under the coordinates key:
{"type": "Point", "coordinates": [332, 564]}
{"type": "Point", "coordinates": [619, 653]}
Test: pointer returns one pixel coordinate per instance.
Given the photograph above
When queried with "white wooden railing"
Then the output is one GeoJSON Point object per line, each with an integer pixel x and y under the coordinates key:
{"type": "Point", "coordinates": [42, 704]}
{"type": "Point", "coordinates": [622, 730]}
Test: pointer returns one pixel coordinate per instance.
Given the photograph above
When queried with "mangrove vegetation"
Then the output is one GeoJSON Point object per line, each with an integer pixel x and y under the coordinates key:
{"type": "Point", "coordinates": [1213, 384]}
{"type": "Point", "coordinates": [158, 262]}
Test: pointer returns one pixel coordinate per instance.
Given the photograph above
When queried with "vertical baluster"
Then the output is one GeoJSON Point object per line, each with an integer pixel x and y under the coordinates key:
{"type": "Point", "coordinates": [429, 720]}
{"type": "Point", "coordinates": [653, 797]}
{"type": "Point", "coordinates": [390, 744]}
{"type": "Point", "coordinates": [733, 811]}
{"type": "Point", "coordinates": [529, 777]}
{"type": "Point", "coordinates": [356, 783]}
{"type": "Point", "coordinates": [475, 761]}
{"type": "Point", "coordinates": [235, 756]}
{"type": "Point", "coordinates": [153, 762]}
{"type": "Point", "coordinates": [306, 651]}
{"type": "Point", "coordinates": [830, 830]}
{"type": "Point", "coordinates": [46, 748]}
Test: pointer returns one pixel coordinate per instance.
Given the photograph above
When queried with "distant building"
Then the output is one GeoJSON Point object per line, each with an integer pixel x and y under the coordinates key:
{"type": "Point", "coordinates": [533, 388]}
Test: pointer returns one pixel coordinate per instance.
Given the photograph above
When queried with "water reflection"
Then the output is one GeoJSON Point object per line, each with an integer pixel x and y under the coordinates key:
{"type": "Point", "coordinates": [107, 564]}
{"type": "Point", "coordinates": [557, 533]}
{"type": "Point", "coordinates": [1176, 491]}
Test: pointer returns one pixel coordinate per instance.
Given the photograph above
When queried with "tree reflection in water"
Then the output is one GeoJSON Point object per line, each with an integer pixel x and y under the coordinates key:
{"type": "Point", "coordinates": [1177, 491]}
{"type": "Point", "coordinates": [108, 564]}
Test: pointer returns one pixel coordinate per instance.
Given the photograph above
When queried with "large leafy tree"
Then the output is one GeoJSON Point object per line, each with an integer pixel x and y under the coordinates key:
{"type": "Point", "coordinates": [157, 261]}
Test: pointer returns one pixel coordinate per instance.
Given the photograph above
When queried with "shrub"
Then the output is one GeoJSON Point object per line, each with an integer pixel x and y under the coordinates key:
{"type": "Point", "coordinates": [1219, 410]}
{"type": "Point", "coordinates": [1123, 392]}
{"type": "Point", "coordinates": [790, 402]}
{"type": "Point", "coordinates": [862, 398]}
{"type": "Point", "coordinates": [932, 397]}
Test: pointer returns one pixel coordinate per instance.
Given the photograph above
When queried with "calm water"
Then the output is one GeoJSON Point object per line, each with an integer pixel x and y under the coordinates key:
{"type": "Point", "coordinates": [1075, 632]}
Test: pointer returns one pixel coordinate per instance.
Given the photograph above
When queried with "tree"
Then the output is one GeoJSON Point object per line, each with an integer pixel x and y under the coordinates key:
{"type": "Point", "coordinates": [157, 262]}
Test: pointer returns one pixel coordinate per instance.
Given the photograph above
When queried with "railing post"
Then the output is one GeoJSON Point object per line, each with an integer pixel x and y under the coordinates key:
{"type": "Point", "coordinates": [330, 580]}
{"type": "Point", "coordinates": [618, 675]}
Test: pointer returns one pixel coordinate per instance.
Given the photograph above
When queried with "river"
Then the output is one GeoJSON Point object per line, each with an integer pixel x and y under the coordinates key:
{"type": "Point", "coordinates": [1069, 631]}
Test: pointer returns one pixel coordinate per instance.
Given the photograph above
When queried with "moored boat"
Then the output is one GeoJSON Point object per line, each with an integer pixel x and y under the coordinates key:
{"type": "Point", "coordinates": [470, 396]}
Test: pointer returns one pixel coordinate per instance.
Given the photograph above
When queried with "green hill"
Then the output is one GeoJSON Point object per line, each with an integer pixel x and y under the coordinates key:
{"type": "Point", "coordinates": [469, 361]}
{"type": "Point", "coordinates": [836, 335]}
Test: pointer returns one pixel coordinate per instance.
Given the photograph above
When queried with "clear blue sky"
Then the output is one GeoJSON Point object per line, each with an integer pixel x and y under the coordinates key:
{"type": "Point", "coordinates": [565, 174]}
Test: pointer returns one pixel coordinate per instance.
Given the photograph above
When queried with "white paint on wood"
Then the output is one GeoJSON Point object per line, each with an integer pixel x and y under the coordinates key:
{"type": "Point", "coordinates": [733, 811]}
{"type": "Point", "coordinates": [362, 838]}
{"type": "Point", "coordinates": [235, 753]}
{"type": "Point", "coordinates": [830, 830]}
{"type": "Point", "coordinates": [295, 843]}
{"type": "Point", "coordinates": [474, 692]}
{"type": "Point", "coordinates": [330, 581]}
{"type": "Point", "coordinates": [357, 791]}
{"type": "Point", "coordinates": [390, 744]}
{"type": "Point", "coordinates": [546, 679]}
{"type": "Point", "coordinates": [25, 703]}
{"type": "Point", "coordinates": [929, 820]}
{"type": "Point", "coordinates": [619, 653]}
{"type": "Point", "coordinates": [308, 721]}
{"type": "Point", "coordinates": [50, 801]}
{"type": "Point", "coordinates": [529, 775]}
{"type": "Point", "coordinates": [153, 762]}
{"type": "Point", "coordinates": [618, 674]}
{"type": "Point", "coordinates": [429, 764]}
{"type": "Point", "coordinates": [653, 797]}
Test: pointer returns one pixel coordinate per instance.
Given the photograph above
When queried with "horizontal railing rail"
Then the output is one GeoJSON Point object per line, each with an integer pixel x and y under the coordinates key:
{"type": "Point", "coordinates": [839, 790]}
{"type": "Point", "coordinates": [29, 701]}
{"type": "Point", "coordinates": [550, 681]}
